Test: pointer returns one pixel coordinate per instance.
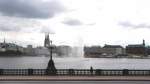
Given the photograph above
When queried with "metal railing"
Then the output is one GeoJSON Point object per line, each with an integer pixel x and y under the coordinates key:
{"type": "Point", "coordinates": [75, 72]}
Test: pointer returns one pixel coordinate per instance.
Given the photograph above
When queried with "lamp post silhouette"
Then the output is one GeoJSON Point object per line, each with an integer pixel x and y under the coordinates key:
{"type": "Point", "coordinates": [51, 69]}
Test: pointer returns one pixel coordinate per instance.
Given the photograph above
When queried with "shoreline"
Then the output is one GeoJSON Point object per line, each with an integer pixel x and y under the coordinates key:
{"type": "Point", "coordinates": [74, 57]}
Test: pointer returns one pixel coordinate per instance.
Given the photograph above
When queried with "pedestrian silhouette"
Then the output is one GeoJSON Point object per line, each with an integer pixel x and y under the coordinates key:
{"type": "Point", "coordinates": [91, 70]}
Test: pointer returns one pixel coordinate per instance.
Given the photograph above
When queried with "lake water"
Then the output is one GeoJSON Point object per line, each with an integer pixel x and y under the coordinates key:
{"type": "Point", "coordinates": [40, 62]}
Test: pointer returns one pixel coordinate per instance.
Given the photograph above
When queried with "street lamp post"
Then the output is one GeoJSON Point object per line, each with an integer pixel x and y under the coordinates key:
{"type": "Point", "coordinates": [51, 51]}
{"type": "Point", "coordinates": [51, 69]}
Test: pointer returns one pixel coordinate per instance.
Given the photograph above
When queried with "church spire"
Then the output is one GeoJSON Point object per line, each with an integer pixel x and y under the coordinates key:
{"type": "Point", "coordinates": [143, 42]}
{"type": "Point", "coordinates": [47, 40]}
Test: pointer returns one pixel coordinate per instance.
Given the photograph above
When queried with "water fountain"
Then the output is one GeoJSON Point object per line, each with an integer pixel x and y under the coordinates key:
{"type": "Point", "coordinates": [77, 50]}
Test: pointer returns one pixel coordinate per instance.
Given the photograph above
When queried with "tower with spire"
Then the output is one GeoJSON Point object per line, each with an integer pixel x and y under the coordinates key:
{"type": "Point", "coordinates": [143, 42]}
{"type": "Point", "coordinates": [47, 40]}
{"type": "Point", "coordinates": [145, 49]}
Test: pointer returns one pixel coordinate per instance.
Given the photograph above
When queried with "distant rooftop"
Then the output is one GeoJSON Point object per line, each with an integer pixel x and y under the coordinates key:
{"type": "Point", "coordinates": [136, 45]}
{"type": "Point", "coordinates": [112, 46]}
{"type": "Point", "coordinates": [9, 45]}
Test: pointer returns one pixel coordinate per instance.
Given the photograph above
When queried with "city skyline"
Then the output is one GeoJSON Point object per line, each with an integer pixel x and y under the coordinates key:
{"type": "Point", "coordinates": [99, 45]}
{"type": "Point", "coordinates": [75, 22]}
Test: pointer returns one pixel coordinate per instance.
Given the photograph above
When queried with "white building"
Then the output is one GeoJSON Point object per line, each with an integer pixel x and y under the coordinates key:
{"type": "Point", "coordinates": [113, 50]}
{"type": "Point", "coordinates": [63, 50]}
{"type": "Point", "coordinates": [41, 51]}
{"type": "Point", "coordinates": [29, 50]}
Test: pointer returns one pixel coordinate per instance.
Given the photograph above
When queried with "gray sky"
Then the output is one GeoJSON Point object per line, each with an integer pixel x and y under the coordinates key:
{"type": "Point", "coordinates": [75, 22]}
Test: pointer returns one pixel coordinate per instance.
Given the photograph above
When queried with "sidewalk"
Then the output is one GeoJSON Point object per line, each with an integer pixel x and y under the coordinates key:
{"type": "Point", "coordinates": [74, 78]}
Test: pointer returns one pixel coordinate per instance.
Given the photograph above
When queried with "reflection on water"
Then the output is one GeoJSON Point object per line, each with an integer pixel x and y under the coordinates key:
{"type": "Point", "coordinates": [74, 63]}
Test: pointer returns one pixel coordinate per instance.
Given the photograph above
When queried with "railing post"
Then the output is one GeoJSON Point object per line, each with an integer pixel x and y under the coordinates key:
{"type": "Point", "coordinates": [71, 72]}
{"type": "Point", "coordinates": [98, 72]}
{"type": "Point", "coordinates": [30, 72]}
{"type": "Point", "coordinates": [148, 72]}
{"type": "Point", "coordinates": [125, 72]}
{"type": "Point", "coordinates": [1, 71]}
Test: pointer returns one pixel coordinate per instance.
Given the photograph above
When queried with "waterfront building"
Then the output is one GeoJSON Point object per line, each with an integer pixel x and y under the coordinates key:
{"type": "Point", "coordinates": [106, 51]}
{"type": "Point", "coordinates": [93, 51]}
{"type": "Point", "coordinates": [113, 50]}
{"type": "Point", "coordinates": [148, 50]}
{"type": "Point", "coordinates": [10, 47]}
{"type": "Point", "coordinates": [41, 51]}
{"type": "Point", "coordinates": [20, 48]}
{"type": "Point", "coordinates": [63, 50]}
{"type": "Point", "coordinates": [136, 49]}
{"type": "Point", "coordinates": [29, 50]}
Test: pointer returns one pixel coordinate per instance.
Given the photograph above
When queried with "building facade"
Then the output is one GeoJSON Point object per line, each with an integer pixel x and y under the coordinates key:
{"type": "Point", "coordinates": [113, 50]}
{"type": "Point", "coordinates": [93, 51]}
{"type": "Point", "coordinates": [136, 49]}
{"type": "Point", "coordinates": [63, 50]}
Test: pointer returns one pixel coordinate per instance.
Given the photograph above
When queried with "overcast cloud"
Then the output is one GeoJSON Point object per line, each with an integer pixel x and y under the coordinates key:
{"type": "Point", "coordinates": [14, 24]}
{"type": "Point", "coordinates": [132, 25]}
{"type": "Point", "coordinates": [72, 22]}
{"type": "Point", "coordinates": [95, 19]}
{"type": "Point", "coordinates": [24, 15]}
{"type": "Point", "coordinates": [30, 8]}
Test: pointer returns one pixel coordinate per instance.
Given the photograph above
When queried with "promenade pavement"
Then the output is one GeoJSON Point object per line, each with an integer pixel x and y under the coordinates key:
{"type": "Point", "coordinates": [74, 78]}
